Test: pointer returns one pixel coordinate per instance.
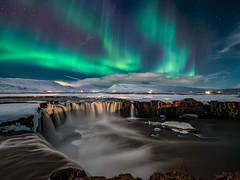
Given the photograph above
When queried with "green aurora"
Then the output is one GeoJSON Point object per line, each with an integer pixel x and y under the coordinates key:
{"type": "Point", "coordinates": [20, 44]}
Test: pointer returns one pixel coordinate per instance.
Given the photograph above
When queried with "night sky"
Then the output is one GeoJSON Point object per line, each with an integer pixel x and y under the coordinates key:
{"type": "Point", "coordinates": [93, 42]}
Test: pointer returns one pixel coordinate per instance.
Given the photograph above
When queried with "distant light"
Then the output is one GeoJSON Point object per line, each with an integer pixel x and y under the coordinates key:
{"type": "Point", "coordinates": [94, 91]}
{"type": "Point", "coordinates": [208, 92]}
{"type": "Point", "coordinates": [49, 91]}
{"type": "Point", "coordinates": [150, 92]}
{"type": "Point", "coordinates": [190, 92]}
{"type": "Point", "coordinates": [81, 91]}
{"type": "Point", "coordinates": [219, 92]}
{"type": "Point", "coordinates": [113, 91]}
{"type": "Point", "coordinates": [66, 84]}
{"type": "Point", "coordinates": [166, 99]}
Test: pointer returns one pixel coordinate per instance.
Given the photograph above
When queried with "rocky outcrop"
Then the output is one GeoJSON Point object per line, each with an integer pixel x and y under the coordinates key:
{"type": "Point", "coordinates": [68, 174]}
{"type": "Point", "coordinates": [176, 175]}
{"type": "Point", "coordinates": [213, 109]}
{"type": "Point", "coordinates": [228, 176]}
{"type": "Point", "coordinates": [76, 174]}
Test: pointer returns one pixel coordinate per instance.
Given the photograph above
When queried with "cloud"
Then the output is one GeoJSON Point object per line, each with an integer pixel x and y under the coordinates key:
{"type": "Point", "coordinates": [229, 46]}
{"type": "Point", "coordinates": [152, 78]}
{"type": "Point", "coordinates": [139, 78]}
{"type": "Point", "coordinates": [237, 86]}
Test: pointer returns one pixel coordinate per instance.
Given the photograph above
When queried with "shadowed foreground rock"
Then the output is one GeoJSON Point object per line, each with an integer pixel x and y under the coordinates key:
{"type": "Point", "coordinates": [228, 176]}
{"type": "Point", "coordinates": [174, 175]}
{"type": "Point", "coordinates": [76, 174]}
{"type": "Point", "coordinates": [68, 174]}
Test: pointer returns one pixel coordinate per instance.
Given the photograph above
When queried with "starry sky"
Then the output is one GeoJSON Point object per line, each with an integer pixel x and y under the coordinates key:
{"type": "Point", "coordinates": [172, 42]}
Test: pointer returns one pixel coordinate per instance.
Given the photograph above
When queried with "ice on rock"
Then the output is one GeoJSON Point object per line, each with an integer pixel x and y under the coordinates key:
{"type": "Point", "coordinates": [180, 131]}
{"type": "Point", "coordinates": [188, 116]}
{"type": "Point", "coordinates": [153, 123]}
{"type": "Point", "coordinates": [12, 112]}
{"type": "Point", "coordinates": [157, 129]}
{"type": "Point", "coordinates": [178, 125]}
{"type": "Point", "coordinates": [162, 117]}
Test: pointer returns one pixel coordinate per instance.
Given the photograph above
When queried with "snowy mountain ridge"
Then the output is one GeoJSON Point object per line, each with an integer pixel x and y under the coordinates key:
{"type": "Point", "coordinates": [18, 85]}
{"type": "Point", "coordinates": [147, 88]}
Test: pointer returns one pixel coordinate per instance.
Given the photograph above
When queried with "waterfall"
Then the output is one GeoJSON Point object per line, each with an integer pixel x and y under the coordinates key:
{"type": "Point", "coordinates": [96, 109]}
{"type": "Point", "coordinates": [132, 111]}
{"type": "Point", "coordinates": [67, 113]}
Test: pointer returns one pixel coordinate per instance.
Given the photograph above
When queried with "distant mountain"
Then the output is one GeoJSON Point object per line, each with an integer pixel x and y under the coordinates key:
{"type": "Point", "coordinates": [147, 88]}
{"type": "Point", "coordinates": [18, 85]}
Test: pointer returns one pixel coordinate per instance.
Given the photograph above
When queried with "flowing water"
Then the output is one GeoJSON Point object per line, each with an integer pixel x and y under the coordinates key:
{"type": "Point", "coordinates": [103, 143]}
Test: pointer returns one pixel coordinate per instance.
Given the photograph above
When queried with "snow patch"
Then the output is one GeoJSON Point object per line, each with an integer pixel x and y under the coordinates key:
{"type": "Point", "coordinates": [15, 111]}
{"type": "Point", "coordinates": [178, 125]}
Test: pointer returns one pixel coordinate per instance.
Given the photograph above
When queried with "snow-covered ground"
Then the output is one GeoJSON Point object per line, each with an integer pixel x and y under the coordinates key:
{"type": "Point", "coordinates": [18, 85]}
{"type": "Point", "coordinates": [15, 111]}
{"type": "Point", "coordinates": [136, 97]}
{"type": "Point", "coordinates": [147, 88]}
{"type": "Point", "coordinates": [178, 125]}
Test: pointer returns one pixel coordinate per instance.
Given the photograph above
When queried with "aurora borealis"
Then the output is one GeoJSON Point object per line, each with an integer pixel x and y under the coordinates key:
{"type": "Point", "coordinates": [96, 38]}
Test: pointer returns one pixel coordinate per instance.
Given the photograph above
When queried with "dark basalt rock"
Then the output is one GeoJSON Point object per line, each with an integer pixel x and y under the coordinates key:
{"type": "Point", "coordinates": [125, 110]}
{"type": "Point", "coordinates": [174, 175]}
{"type": "Point", "coordinates": [147, 109]}
{"type": "Point", "coordinates": [21, 121]}
{"type": "Point", "coordinates": [77, 174]}
{"type": "Point", "coordinates": [154, 109]}
{"type": "Point", "coordinates": [120, 177]}
{"type": "Point", "coordinates": [68, 174]}
{"type": "Point", "coordinates": [228, 176]}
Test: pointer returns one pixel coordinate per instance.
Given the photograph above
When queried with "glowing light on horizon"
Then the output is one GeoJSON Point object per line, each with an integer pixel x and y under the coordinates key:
{"type": "Point", "coordinates": [62, 83]}
{"type": "Point", "coordinates": [150, 92]}
{"type": "Point", "coordinates": [208, 92]}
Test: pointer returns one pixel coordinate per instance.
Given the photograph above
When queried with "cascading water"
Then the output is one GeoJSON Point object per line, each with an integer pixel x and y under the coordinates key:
{"type": "Point", "coordinates": [104, 143]}
{"type": "Point", "coordinates": [132, 111]}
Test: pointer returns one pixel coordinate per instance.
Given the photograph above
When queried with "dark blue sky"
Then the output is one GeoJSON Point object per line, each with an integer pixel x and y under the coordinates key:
{"type": "Point", "coordinates": [194, 41]}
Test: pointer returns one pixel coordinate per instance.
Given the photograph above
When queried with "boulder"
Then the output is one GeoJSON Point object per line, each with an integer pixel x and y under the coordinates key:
{"type": "Point", "coordinates": [228, 176]}
{"type": "Point", "coordinates": [174, 175]}
{"type": "Point", "coordinates": [68, 174]}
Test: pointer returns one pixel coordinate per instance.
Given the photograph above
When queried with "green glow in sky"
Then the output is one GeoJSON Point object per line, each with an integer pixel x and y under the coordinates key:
{"type": "Point", "coordinates": [160, 29]}
{"type": "Point", "coordinates": [21, 45]}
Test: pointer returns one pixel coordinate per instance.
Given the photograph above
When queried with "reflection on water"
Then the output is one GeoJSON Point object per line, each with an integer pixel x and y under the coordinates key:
{"type": "Point", "coordinates": [111, 145]}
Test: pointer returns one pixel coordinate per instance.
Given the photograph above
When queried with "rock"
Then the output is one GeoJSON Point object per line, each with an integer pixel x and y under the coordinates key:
{"type": "Point", "coordinates": [119, 177]}
{"type": "Point", "coordinates": [174, 175]}
{"type": "Point", "coordinates": [77, 174]}
{"type": "Point", "coordinates": [228, 176]}
{"type": "Point", "coordinates": [162, 117]}
{"type": "Point", "coordinates": [157, 129]}
{"type": "Point", "coordinates": [22, 124]}
{"type": "Point", "coordinates": [188, 116]}
{"type": "Point", "coordinates": [147, 109]}
{"type": "Point", "coordinates": [125, 109]}
{"type": "Point", "coordinates": [68, 174]}
{"type": "Point", "coordinates": [124, 177]}
{"type": "Point", "coordinates": [153, 123]}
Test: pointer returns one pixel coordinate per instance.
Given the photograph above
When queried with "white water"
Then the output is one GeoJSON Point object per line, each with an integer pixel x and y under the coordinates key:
{"type": "Point", "coordinates": [132, 111]}
{"type": "Point", "coordinates": [105, 144]}
{"type": "Point", "coordinates": [99, 140]}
